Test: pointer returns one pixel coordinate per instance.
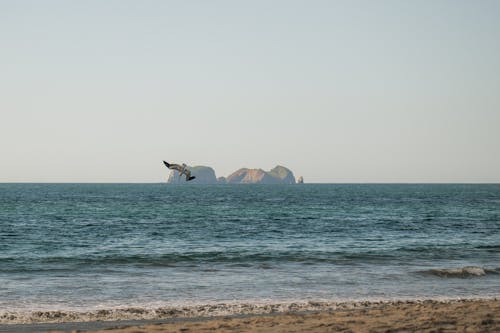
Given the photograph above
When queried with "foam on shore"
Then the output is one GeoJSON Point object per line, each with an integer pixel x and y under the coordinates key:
{"type": "Point", "coordinates": [205, 310]}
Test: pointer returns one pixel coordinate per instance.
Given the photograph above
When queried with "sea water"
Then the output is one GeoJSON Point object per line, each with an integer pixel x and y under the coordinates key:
{"type": "Point", "coordinates": [88, 247]}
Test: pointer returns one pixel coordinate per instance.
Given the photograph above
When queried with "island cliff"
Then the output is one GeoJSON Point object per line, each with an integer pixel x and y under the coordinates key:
{"type": "Point", "coordinates": [278, 175]}
{"type": "Point", "coordinates": [206, 175]}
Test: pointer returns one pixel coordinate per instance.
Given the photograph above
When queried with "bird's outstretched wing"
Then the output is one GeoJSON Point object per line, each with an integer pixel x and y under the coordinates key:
{"type": "Point", "coordinates": [188, 175]}
{"type": "Point", "coordinates": [173, 166]}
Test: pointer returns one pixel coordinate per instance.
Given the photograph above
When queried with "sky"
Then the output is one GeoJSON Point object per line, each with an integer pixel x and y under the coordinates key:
{"type": "Point", "coordinates": [337, 91]}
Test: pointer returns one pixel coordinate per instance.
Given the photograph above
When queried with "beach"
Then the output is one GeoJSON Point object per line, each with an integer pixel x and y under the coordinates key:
{"type": "Point", "coordinates": [395, 316]}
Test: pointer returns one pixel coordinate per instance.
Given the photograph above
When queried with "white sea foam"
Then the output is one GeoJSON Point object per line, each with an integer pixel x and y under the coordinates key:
{"type": "Point", "coordinates": [204, 310]}
{"type": "Point", "coordinates": [461, 272]}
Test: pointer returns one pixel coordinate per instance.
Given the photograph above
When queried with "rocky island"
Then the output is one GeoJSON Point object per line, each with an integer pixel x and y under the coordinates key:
{"type": "Point", "coordinates": [277, 175]}
{"type": "Point", "coordinates": [206, 175]}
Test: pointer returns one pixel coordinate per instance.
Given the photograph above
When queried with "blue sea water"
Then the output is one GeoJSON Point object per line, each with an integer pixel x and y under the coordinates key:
{"type": "Point", "coordinates": [89, 246]}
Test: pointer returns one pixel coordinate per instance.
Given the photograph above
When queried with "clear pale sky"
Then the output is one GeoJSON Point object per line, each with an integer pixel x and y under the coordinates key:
{"type": "Point", "coordinates": [338, 91]}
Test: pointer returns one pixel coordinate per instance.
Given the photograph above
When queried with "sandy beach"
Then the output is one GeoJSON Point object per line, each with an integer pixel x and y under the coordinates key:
{"type": "Point", "coordinates": [406, 316]}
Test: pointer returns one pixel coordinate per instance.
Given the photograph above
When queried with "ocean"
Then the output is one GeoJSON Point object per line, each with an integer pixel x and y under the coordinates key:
{"type": "Point", "coordinates": [93, 249]}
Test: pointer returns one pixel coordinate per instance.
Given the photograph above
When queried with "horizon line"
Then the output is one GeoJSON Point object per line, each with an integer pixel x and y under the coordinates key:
{"type": "Point", "coordinates": [308, 183]}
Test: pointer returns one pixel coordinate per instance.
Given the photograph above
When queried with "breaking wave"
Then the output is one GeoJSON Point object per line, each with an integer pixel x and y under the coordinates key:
{"type": "Point", "coordinates": [461, 272]}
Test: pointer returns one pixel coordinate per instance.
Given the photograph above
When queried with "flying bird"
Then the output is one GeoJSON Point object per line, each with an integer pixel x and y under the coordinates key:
{"type": "Point", "coordinates": [183, 170]}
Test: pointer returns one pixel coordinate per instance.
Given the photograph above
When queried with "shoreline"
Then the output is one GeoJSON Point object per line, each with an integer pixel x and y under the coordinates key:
{"type": "Point", "coordinates": [189, 310]}
{"type": "Point", "coordinates": [423, 316]}
{"type": "Point", "coordinates": [36, 321]}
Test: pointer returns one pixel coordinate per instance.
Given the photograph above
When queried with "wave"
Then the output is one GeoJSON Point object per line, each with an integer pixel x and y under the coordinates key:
{"type": "Point", "coordinates": [238, 257]}
{"type": "Point", "coordinates": [191, 259]}
{"type": "Point", "coordinates": [492, 248]}
{"type": "Point", "coordinates": [461, 272]}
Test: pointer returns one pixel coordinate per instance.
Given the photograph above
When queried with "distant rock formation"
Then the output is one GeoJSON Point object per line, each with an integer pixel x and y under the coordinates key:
{"type": "Point", "coordinates": [278, 175]}
{"type": "Point", "coordinates": [283, 174]}
{"type": "Point", "coordinates": [300, 180]}
{"type": "Point", "coordinates": [206, 175]}
{"type": "Point", "coordinates": [203, 174]}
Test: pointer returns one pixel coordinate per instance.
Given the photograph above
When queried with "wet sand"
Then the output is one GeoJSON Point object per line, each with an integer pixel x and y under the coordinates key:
{"type": "Point", "coordinates": [417, 316]}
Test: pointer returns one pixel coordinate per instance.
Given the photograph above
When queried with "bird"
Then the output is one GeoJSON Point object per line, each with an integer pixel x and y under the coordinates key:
{"type": "Point", "coordinates": [183, 170]}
